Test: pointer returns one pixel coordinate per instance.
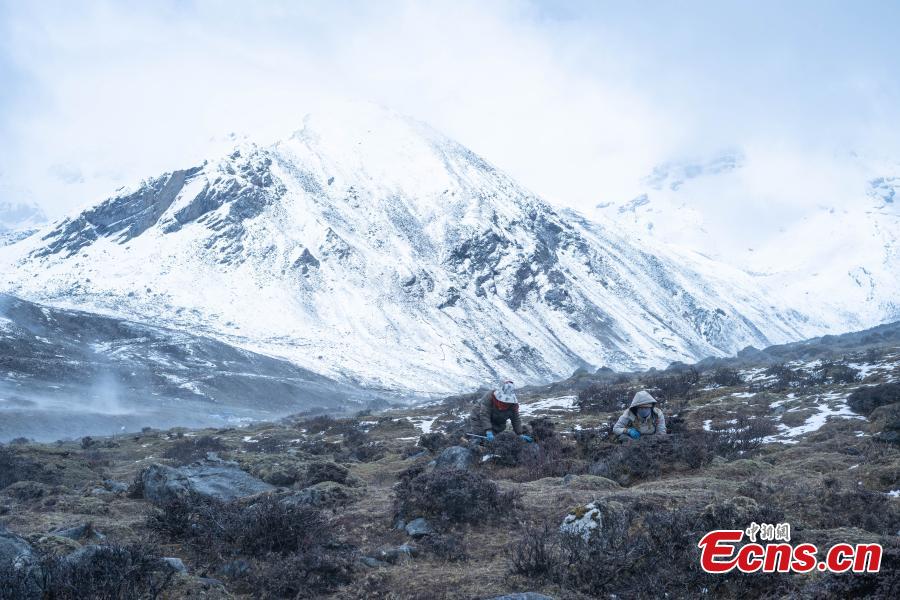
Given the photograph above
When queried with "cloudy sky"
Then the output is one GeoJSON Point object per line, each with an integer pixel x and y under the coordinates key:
{"type": "Point", "coordinates": [578, 100]}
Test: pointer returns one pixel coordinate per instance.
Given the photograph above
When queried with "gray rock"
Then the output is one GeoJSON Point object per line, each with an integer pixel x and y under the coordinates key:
{"type": "Point", "coordinates": [399, 554]}
{"type": "Point", "coordinates": [419, 527]}
{"type": "Point", "coordinates": [80, 532]}
{"type": "Point", "coordinates": [85, 554]}
{"type": "Point", "coordinates": [14, 550]}
{"type": "Point", "coordinates": [16, 554]}
{"type": "Point", "coordinates": [372, 563]}
{"type": "Point", "coordinates": [116, 487]}
{"type": "Point", "coordinates": [522, 596]}
{"type": "Point", "coordinates": [176, 563]}
{"type": "Point", "coordinates": [455, 457]}
{"type": "Point", "coordinates": [219, 480]}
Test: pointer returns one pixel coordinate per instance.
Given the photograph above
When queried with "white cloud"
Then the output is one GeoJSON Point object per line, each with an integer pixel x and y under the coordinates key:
{"type": "Point", "coordinates": [578, 104]}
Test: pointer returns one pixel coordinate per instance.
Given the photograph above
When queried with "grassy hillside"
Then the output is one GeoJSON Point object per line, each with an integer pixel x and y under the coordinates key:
{"type": "Point", "coordinates": [805, 434]}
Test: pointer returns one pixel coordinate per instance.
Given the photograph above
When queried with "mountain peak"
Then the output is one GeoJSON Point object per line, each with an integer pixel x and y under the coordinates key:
{"type": "Point", "coordinates": [370, 248]}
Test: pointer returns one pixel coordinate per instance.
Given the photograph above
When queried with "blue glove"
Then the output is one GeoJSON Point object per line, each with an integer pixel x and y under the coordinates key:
{"type": "Point", "coordinates": [490, 436]}
{"type": "Point", "coordinates": [527, 438]}
{"type": "Point", "coordinates": [634, 433]}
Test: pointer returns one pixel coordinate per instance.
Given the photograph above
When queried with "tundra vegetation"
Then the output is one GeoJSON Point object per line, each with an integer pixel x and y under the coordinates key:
{"type": "Point", "coordinates": [388, 505]}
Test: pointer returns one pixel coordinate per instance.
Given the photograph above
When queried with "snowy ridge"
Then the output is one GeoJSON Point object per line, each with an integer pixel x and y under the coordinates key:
{"type": "Point", "coordinates": [370, 248]}
{"type": "Point", "coordinates": [838, 260]}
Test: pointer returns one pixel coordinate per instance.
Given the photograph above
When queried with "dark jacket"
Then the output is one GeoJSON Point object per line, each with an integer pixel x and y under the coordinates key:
{"type": "Point", "coordinates": [487, 417]}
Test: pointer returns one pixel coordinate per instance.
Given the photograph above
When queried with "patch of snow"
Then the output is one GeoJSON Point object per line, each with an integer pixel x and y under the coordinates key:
{"type": "Point", "coordinates": [828, 407]}
{"type": "Point", "coordinates": [562, 403]}
{"type": "Point", "coordinates": [426, 424]}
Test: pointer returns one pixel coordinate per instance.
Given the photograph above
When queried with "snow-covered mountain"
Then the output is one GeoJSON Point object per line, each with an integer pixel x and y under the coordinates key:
{"type": "Point", "coordinates": [370, 248]}
{"type": "Point", "coordinates": [19, 220]}
{"type": "Point", "coordinates": [68, 373]}
{"type": "Point", "coordinates": [836, 254]}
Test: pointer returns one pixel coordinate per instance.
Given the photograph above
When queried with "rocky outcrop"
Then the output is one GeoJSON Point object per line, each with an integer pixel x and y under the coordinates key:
{"type": "Point", "coordinates": [455, 457]}
{"type": "Point", "coordinates": [218, 480]}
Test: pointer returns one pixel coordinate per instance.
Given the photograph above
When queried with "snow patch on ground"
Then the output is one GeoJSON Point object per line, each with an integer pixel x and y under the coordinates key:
{"type": "Point", "coordinates": [562, 403]}
{"type": "Point", "coordinates": [831, 405]}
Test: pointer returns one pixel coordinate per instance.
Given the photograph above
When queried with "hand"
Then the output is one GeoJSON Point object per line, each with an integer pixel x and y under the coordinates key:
{"type": "Point", "coordinates": [634, 433]}
{"type": "Point", "coordinates": [527, 438]}
{"type": "Point", "coordinates": [490, 436]}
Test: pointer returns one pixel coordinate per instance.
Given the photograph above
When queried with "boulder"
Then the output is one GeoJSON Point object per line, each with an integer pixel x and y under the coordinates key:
{"type": "Point", "coordinates": [604, 521]}
{"type": "Point", "coordinates": [522, 596]}
{"type": "Point", "coordinates": [84, 531]}
{"type": "Point", "coordinates": [455, 457]}
{"type": "Point", "coordinates": [176, 564]}
{"type": "Point", "coordinates": [418, 528]}
{"type": "Point", "coordinates": [14, 551]}
{"type": "Point", "coordinates": [372, 563]}
{"type": "Point", "coordinates": [116, 487]}
{"type": "Point", "coordinates": [401, 553]}
{"type": "Point", "coordinates": [218, 480]}
{"type": "Point", "coordinates": [16, 556]}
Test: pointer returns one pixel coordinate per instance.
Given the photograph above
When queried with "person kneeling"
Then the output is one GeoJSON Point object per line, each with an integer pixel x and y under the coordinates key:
{"type": "Point", "coordinates": [492, 412]}
{"type": "Point", "coordinates": [640, 418]}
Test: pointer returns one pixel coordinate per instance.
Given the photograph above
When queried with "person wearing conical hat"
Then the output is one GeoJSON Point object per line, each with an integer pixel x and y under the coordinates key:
{"type": "Point", "coordinates": [493, 410]}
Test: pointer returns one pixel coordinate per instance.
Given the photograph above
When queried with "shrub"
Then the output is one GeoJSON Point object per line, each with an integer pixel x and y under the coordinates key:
{"type": "Point", "coordinates": [293, 548]}
{"type": "Point", "coordinates": [785, 377]}
{"type": "Point", "coordinates": [651, 456]}
{"type": "Point", "coordinates": [727, 377]}
{"type": "Point", "coordinates": [844, 506]}
{"type": "Point", "coordinates": [506, 449]}
{"type": "Point", "coordinates": [837, 373]}
{"type": "Point", "coordinates": [361, 447]}
{"type": "Point", "coordinates": [187, 450]}
{"type": "Point", "coordinates": [452, 495]}
{"type": "Point", "coordinates": [9, 472]}
{"type": "Point", "coordinates": [435, 442]}
{"type": "Point", "coordinates": [305, 575]}
{"type": "Point", "coordinates": [866, 399]}
{"type": "Point", "coordinates": [641, 550]}
{"type": "Point", "coordinates": [108, 572]}
{"type": "Point", "coordinates": [542, 429]}
{"type": "Point", "coordinates": [742, 434]}
{"type": "Point", "coordinates": [604, 397]}
{"type": "Point", "coordinates": [671, 386]}
{"type": "Point", "coordinates": [317, 472]}
{"type": "Point", "coordinates": [317, 424]}
{"type": "Point", "coordinates": [16, 467]}
{"type": "Point", "coordinates": [884, 584]}
{"type": "Point", "coordinates": [445, 546]}
{"type": "Point", "coordinates": [536, 553]}
{"type": "Point", "coordinates": [265, 445]}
